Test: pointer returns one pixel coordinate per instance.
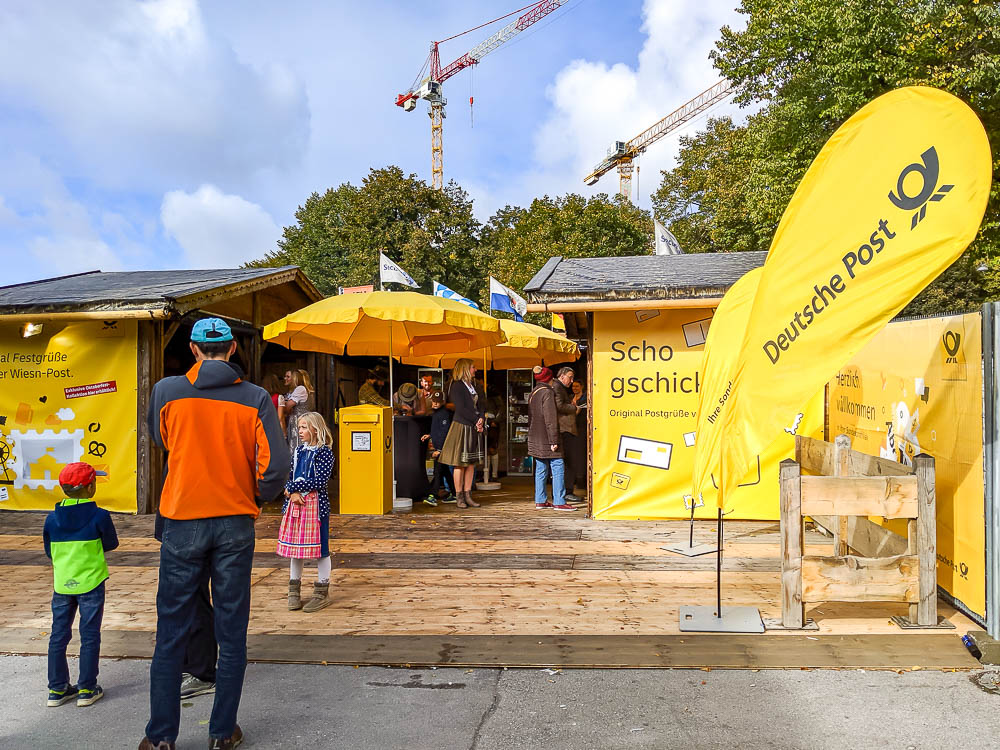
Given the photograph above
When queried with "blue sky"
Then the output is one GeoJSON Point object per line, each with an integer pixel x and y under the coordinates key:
{"type": "Point", "coordinates": [179, 134]}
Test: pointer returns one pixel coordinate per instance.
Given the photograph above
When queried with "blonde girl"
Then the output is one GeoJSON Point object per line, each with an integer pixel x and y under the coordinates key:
{"type": "Point", "coordinates": [305, 524]}
{"type": "Point", "coordinates": [300, 400]}
{"type": "Point", "coordinates": [463, 446]}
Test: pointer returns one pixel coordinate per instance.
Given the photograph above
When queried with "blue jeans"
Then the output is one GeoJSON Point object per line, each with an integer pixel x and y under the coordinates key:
{"type": "Point", "coordinates": [222, 548]}
{"type": "Point", "coordinates": [542, 468]}
{"type": "Point", "coordinates": [64, 607]}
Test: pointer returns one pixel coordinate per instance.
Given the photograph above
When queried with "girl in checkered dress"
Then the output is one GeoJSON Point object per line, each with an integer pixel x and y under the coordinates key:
{"type": "Point", "coordinates": [305, 525]}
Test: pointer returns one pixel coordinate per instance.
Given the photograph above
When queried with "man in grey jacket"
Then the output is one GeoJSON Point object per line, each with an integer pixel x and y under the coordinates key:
{"type": "Point", "coordinates": [543, 442]}
{"type": "Point", "coordinates": [567, 412]}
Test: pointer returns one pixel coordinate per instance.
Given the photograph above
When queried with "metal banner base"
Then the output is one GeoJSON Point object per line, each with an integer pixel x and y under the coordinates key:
{"type": "Point", "coordinates": [487, 486]}
{"type": "Point", "coordinates": [733, 620]}
{"type": "Point", "coordinates": [774, 623]}
{"type": "Point", "coordinates": [905, 624]}
{"type": "Point", "coordinates": [698, 549]}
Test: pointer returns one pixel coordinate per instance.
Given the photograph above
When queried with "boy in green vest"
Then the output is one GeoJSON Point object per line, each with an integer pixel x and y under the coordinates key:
{"type": "Point", "coordinates": [77, 534]}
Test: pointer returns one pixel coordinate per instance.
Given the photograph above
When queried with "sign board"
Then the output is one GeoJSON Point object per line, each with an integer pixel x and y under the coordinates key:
{"type": "Point", "coordinates": [918, 388]}
{"type": "Point", "coordinates": [645, 400]}
{"type": "Point", "coordinates": [357, 289]}
{"type": "Point", "coordinates": [67, 394]}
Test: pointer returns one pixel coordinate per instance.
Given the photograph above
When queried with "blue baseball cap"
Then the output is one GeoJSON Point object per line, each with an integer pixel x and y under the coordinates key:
{"type": "Point", "coordinates": [211, 329]}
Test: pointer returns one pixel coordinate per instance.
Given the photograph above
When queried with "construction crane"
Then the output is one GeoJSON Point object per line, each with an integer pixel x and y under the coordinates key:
{"type": "Point", "coordinates": [622, 153]}
{"type": "Point", "coordinates": [429, 88]}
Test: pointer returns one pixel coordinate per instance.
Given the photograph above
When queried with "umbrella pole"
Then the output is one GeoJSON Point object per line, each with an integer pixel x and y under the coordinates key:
{"type": "Point", "coordinates": [486, 425]}
{"type": "Point", "coordinates": [392, 419]}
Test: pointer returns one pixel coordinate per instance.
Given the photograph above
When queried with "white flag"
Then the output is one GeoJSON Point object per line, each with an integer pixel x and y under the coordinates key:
{"type": "Point", "coordinates": [389, 271]}
{"type": "Point", "coordinates": [666, 243]}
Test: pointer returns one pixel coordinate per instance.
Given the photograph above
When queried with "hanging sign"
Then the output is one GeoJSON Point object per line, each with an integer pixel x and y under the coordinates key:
{"type": "Point", "coordinates": [67, 394]}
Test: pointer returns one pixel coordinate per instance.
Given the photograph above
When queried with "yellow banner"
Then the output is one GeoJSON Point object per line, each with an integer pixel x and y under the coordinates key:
{"type": "Point", "coordinates": [918, 388]}
{"type": "Point", "coordinates": [892, 199]}
{"type": "Point", "coordinates": [645, 397]}
{"type": "Point", "coordinates": [722, 349]}
{"type": "Point", "coordinates": [67, 394]}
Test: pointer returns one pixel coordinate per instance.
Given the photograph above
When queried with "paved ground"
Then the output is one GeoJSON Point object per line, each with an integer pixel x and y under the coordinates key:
{"type": "Point", "coordinates": [371, 708]}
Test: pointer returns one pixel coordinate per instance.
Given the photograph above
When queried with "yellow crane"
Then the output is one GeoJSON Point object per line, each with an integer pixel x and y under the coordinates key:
{"type": "Point", "coordinates": [622, 153]}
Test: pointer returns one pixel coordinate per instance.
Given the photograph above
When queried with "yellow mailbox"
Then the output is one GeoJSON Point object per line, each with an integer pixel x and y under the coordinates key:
{"type": "Point", "coordinates": [365, 460]}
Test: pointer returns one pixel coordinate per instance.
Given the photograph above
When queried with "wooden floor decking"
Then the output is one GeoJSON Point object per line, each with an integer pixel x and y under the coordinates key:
{"type": "Point", "coordinates": [504, 569]}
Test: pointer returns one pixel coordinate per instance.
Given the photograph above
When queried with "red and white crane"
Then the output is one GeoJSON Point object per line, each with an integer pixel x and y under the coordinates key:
{"type": "Point", "coordinates": [430, 89]}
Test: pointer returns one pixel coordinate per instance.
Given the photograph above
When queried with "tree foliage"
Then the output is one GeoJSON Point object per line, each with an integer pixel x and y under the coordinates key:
{"type": "Point", "coordinates": [808, 65]}
{"type": "Point", "coordinates": [516, 242]}
{"type": "Point", "coordinates": [338, 236]}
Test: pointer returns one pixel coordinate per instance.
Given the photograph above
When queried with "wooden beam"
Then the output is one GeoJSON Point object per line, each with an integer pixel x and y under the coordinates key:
{"type": "Point", "coordinates": [625, 304]}
{"type": "Point", "coordinates": [590, 414]}
{"type": "Point", "coordinates": [926, 609]}
{"type": "Point", "coordinates": [817, 457]}
{"type": "Point", "coordinates": [841, 468]}
{"type": "Point", "coordinates": [149, 366]}
{"type": "Point", "coordinates": [866, 537]}
{"type": "Point", "coordinates": [814, 456]}
{"type": "Point", "coordinates": [115, 314]}
{"type": "Point", "coordinates": [861, 579]}
{"type": "Point", "coordinates": [889, 497]}
{"type": "Point", "coordinates": [792, 608]}
{"type": "Point", "coordinates": [168, 334]}
{"type": "Point", "coordinates": [253, 343]}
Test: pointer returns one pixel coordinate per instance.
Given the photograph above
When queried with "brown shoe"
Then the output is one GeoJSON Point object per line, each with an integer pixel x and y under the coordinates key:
{"type": "Point", "coordinates": [294, 595]}
{"type": "Point", "coordinates": [320, 598]}
{"type": "Point", "coordinates": [234, 740]}
{"type": "Point", "coordinates": [469, 501]}
{"type": "Point", "coordinates": [147, 744]}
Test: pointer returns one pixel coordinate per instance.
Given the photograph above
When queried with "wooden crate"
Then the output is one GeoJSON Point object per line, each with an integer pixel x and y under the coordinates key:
{"type": "Point", "coordinates": [844, 483]}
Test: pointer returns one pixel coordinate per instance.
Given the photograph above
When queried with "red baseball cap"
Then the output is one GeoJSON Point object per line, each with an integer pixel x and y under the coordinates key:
{"type": "Point", "coordinates": [79, 475]}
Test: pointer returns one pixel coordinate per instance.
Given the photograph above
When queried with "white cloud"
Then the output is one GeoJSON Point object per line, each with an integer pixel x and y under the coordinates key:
{"type": "Point", "coordinates": [63, 254]}
{"type": "Point", "coordinates": [216, 230]}
{"type": "Point", "coordinates": [596, 103]}
{"type": "Point", "coordinates": [139, 94]}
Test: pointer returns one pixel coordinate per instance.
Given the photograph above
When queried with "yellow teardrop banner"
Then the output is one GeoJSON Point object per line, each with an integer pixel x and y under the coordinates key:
{"type": "Point", "coordinates": [718, 369]}
{"type": "Point", "coordinates": [893, 198]}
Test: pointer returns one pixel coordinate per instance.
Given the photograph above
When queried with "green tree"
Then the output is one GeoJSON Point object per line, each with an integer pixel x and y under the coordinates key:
{"type": "Point", "coordinates": [808, 65]}
{"type": "Point", "coordinates": [516, 242]}
{"type": "Point", "coordinates": [338, 236]}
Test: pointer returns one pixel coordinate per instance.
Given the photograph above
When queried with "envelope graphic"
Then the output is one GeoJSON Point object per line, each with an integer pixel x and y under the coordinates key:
{"type": "Point", "coordinates": [633, 450]}
{"type": "Point", "coordinates": [620, 481]}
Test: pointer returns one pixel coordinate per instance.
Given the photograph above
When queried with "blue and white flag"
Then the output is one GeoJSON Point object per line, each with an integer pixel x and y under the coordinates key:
{"type": "Point", "coordinates": [505, 299]}
{"type": "Point", "coordinates": [440, 290]}
{"type": "Point", "coordinates": [389, 271]}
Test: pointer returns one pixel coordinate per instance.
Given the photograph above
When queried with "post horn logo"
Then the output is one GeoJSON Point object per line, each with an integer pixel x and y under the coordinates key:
{"type": "Point", "coordinates": [952, 341]}
{"type": "Point", "coordinates": [929, 190]}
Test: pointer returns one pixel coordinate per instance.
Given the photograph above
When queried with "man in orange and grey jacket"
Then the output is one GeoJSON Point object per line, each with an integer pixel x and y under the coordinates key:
{"type": "Point", "coordinates": [225, 453]}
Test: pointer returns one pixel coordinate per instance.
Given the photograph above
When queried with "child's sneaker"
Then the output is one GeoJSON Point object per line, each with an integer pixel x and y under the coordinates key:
{"type": "Point", "coordinates": [89, 696]}
{"type": "Point", "coordinates": [431, 500]}
{"type": "Point", "coordinates": [58, 697]}
{"type": "Point", "coordinates": [450, 499]}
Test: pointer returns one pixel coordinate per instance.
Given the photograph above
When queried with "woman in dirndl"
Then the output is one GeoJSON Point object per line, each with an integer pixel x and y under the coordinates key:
{"type": "Point", "coordinates": [464, 445]}
{"type": "Point", "coordinates": [305, 523]}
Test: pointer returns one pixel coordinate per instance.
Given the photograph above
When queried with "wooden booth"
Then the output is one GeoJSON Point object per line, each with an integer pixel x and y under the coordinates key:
{"type": "Point", "coordinates": [79, 356]}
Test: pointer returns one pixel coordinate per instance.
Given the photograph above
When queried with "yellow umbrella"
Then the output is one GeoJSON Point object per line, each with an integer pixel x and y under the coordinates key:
{"type": "Point", "coordinates": [408, 324]}
{"type": "Point", "coordinates": [527, 345]}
